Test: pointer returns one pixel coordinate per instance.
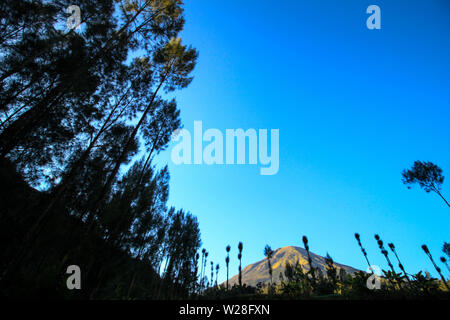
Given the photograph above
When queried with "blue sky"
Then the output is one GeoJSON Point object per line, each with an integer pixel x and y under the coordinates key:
{"type": "Point", "coordinates": [354, 108]}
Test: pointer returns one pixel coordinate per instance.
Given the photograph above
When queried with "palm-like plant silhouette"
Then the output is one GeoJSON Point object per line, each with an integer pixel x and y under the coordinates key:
{"type": "Point", "coordinates": [268, 253]}
{"type": "Point", "coordinates": [384, 252]}
{"type": "Point", "coordinates": [240, 247]}
{"type": "Point", "coordinates": [212, 274]}
{"type": "Point", "coordinates": [400, 265]}
{"type": "Point", "coordinates": [227, 261]}
{"type": "Point", "coordinates": [311, 268]}
{"type": "Point", "coordinates": [358, 238]}
{"type": "Point", "coordinates": [427, 252]}
{"type": "Point", "coordinates": [217, 273]}
{"type": "Point", "coordinates": [196, 257]}
{"type": "Point", "coordinates": [201, 267]}
{"type": "Point", "coordinates": [204, 268]}
{"type": "Point", "coordinates": [444, 261]}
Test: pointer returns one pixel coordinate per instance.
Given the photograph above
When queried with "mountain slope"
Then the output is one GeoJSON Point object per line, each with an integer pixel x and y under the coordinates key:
{"type": "Point", "coordinates": [259, 271]}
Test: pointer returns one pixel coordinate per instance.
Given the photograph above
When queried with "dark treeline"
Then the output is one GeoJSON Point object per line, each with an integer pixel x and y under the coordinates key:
{"type": "Point", "coordinates": [83, 116]}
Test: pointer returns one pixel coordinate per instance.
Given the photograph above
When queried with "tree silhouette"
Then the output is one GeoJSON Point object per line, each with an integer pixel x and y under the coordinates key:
{"type": "Point", "coordinates": [75, 112]}
{"type": "Point", "coordinates": [446, 249]}
{"type": "Point", "coordinates": [173, 64]}
{"type": "Point", "coordinates": [427, 175]}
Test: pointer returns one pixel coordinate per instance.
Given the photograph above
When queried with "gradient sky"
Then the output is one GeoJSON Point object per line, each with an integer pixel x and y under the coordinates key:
{"type": "Point", "coordinates": [354, 108]}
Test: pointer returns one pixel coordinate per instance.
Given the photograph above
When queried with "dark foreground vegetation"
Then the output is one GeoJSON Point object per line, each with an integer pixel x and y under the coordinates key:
{"type": "Point", "coordinates": [310, 282]}
{"type": "Point", "coordinates": [121, 266]}
{"type": "Point", "coordinates": [82, 117]}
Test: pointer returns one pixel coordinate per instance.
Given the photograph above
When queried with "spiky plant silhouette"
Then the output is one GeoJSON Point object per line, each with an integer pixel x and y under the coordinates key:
{"type": "Point", "coordinates": [358, 238]}
{"type": "Point", "coordinates": [240, 247]}
{"type": "Point", "coordinates": [332, 281]}
{"type": "Point", "coordinates": [427, 252]}
{"type": "Point", "coordinates": [331, 270]}
{"type": "Point", "coordinates": [268, 253]}
{"type": "Point", "coordinates": [212, 274]}
{"type": "Point", "coordinates": [204, 268]}
{"type": "Point", "coordinates": [400, 265]}
{"type": "Point", "coordinates": [392, 278]}
{"type": "Point", "coordinates": [311, 268]}
{"type": "Point", "coordinates": [384, 252]}
{"type": "Point", "coordinates": [201, 267]}
{"type": "Point", "coordinates": [444, 261]}
{"type": "Point", "coordinates": [227, 261]}
{"type": "Point", "coordinates": [217, 273]}
{"type": "Point", "coordinates": [196, 257]}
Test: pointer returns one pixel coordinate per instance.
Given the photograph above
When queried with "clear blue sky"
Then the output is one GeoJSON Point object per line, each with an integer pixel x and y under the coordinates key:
{"type": "Point", "coordinates": [354, 108]}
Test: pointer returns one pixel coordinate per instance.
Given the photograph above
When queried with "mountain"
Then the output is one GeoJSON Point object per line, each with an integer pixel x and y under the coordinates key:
{"type": "Point", "coordinates": [259, 271]}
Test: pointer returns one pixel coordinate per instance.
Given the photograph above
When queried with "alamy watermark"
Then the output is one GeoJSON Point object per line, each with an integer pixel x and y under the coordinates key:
{"type": "Point", "coordinates": [374, 281]}
{"type": "Point", "coordinates": [218, 152]}
{"type": "Point", "coordinates": [374, 20]}
{"type": "Point", "coordinates": [74, 280]}
{"type": "Point", "coordinates": [74, 21]}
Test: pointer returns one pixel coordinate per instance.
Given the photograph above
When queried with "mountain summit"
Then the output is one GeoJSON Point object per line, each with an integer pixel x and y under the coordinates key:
{"type": "Point", "coordinates": [259, 271]}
